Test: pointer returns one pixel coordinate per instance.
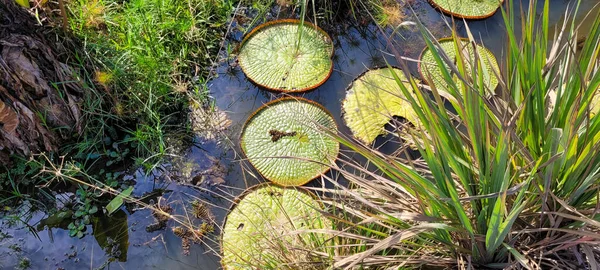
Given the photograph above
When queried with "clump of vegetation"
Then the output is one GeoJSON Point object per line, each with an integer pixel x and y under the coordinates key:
{"type": "Point", "coordinates": [84, 209]}
{"type": "Point", "coordinates": [388, 12]}
{"type": "Point", "coordinates": [502, 181]}
{"type": "Point", "coordinates": [133, 70]}
{"type": "Point", "coordinates": [152, 56]}
{"type": "Point", "coordinates": [189, 236]}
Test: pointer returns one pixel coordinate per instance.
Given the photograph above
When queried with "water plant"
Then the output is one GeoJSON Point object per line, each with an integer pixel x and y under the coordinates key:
{"type": "Point", "coordinates": [287, 55]}
{"type": "Point", "coordinates": [513, 182]}
{"type": "Point", "coordinates": [372, 100]}
{"type": "Point", "coordinates": [84, 210]}
{"type": "Point", "coordinates": [284, 142]}
{"type": "Point", "coordinates": [469, 54]}
{"type": "Point", "coordinates": [271, 227]}
{"type": "Point", "coordinates": [468, 9]}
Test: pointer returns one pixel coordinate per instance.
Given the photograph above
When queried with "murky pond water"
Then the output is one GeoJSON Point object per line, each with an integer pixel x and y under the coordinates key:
{"type": "Point", "coordinates": [358, 48]}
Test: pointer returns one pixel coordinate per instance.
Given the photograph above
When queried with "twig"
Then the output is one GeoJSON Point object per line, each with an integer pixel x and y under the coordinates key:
{"type": "Point", "coordinates": [63, 14]}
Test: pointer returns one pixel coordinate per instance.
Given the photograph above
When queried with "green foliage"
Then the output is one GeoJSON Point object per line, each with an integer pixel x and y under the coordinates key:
{"type": "Point", "coordinates": [83, 211]}
{"type": "Point", "coordinates": [149, 54]}
{"type": "Point", "coordinates": [514, 176]}
{"type": "Point", "coordinates": [114, 205]}
{"type": "Point", "coordinates": [23, 3]}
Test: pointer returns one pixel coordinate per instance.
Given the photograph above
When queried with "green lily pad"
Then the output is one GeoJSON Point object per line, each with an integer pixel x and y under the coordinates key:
{"type": "Point", "coordinates": [372, 100]}
{"type": "Point", "coordinates": [282, 56]}
{"type": "Point", "coordinates": [468, 9]}
{"type": "Point", "coordinates": [285, 141]}
{"type": "Point", "coordinates": [263, 229]}
{"type": "Point", "coordinates": [430, 71]}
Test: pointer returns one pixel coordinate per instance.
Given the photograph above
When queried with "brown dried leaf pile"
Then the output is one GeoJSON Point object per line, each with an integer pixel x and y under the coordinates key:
{"type": "Point", "coordinates": [40, 94]}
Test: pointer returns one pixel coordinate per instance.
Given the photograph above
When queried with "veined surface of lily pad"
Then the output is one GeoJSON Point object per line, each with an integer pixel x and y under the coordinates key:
{"type": "Point", "coordinates": [286, 142]}
{"type": "Point", "coordinates": [430, 71]}
{"type": "Point", "coordinates": [468, 9]}
{"type": "Point", "coordinates": [263, 224]}
{"type": "Point", "coordinates": [283, 56]}
{"type": "Point", "coordinates": [372, 100]}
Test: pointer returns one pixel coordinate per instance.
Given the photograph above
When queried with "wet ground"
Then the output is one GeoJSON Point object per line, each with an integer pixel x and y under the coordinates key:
{"type": "Point", "coordinates": [217, 168]}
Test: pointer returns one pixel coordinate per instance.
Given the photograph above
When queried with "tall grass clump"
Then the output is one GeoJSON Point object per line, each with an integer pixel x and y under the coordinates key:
{"type": "Point", "coordinates": [151, 57]}
{"type": "Point", "coordinates": [506, 178]}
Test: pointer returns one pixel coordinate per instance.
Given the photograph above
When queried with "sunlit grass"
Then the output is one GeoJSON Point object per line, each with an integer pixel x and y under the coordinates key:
{"type": "Point", "coordinates": [145, 51]}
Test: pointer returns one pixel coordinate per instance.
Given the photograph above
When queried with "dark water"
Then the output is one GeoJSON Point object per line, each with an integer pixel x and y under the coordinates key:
{"type": "Point", "coordinates": [358, 48]}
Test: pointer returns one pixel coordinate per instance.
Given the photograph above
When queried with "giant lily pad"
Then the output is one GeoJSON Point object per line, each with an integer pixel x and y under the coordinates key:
{"type": "Point", "coordinates": [286, 142]}
{"type": "Point", "coordinates": [284, 56]}
{"type": "Point", "coordinates": [372, 100]}
{"type": "Point", "coordinates": [263, 231]}
{"type": "Point", "coordinates": [430, 71]}
{"type": "Point", "coordinates": [468, 9]}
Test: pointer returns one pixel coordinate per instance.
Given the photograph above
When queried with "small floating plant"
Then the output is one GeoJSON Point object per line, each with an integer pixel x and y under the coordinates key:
{"type": "Point", "coordinates": [431, 72]}
{"type": "Point", "coordinates": [468, 9]}
{"type": "Point", "coordinates": [372, 100]}
{"type": "Point", "coordinates": [287, 55]}
{"type": "Point", "coordinates": [285, 141]}
{"type": "Point", "coordinates": [268, 220]}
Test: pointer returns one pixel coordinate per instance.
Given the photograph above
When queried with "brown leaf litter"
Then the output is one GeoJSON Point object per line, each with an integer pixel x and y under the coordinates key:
{"type": "Point", "coordinates": [40, 94]}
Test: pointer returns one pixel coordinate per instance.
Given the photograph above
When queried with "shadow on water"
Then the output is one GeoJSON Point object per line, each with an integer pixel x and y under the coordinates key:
{"type": "Point", "coordinates": [122, 239]}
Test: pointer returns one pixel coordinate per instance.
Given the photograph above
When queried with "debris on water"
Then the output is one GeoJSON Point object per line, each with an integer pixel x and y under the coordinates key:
{"type": "Point", "coordinates": [201, 211]}
{"type": "Point", "coordinates": [189, 236]}
{"type": "Point", "coordinates": [214, 175]}
{"type": "Point", "coordinates": [208, 122]}
{"type": "Point", "coordinates": [64, 200]}
{"type": "Point", "coordinates": [161, 214]}
{"type": "Point", "coordinates": [276, 134]}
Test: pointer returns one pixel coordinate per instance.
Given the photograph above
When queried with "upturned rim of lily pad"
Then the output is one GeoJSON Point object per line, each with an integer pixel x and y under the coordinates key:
{"type": "Point", "coordinates": [287, 21]}
{"type": "Point", "coordinates": [251, 189]}
{"type": "Point", "coordinates": [398, 69]}
{"type": "Point", "coordinates": [420, 64]}
{"type": "Point", "coordinates": [264, 106]}
{"type": "Point", "coordinates": [462, 16]}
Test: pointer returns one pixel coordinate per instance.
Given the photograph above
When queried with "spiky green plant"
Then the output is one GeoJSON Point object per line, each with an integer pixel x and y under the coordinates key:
{"type": "Point", "coordinates": [509, 181]}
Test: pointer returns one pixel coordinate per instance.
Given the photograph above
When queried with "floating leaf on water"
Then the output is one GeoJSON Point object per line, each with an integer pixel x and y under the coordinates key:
{"type": "Point", "coordinates": [273, 57]}
{"type": "Point", "coordinates": [430, 71]}
{"type": "Point", "coordinates": [372, 100]}
{"type": "Point", "coordinates": [468, 9]}
{"type": "Point", "coordinates": [286, 142]}
{"type": "Point", "coordinates": [113, 205]}
{"type": "Point", "coordinates": [266, 218]}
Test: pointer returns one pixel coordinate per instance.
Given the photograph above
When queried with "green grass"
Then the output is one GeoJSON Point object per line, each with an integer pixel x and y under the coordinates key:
{"type": "Point", "coordinates": [151, 57]}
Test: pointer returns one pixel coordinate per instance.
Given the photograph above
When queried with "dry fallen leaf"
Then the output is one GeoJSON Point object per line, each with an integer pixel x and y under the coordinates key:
{"type": "Point", "coordinates": [8, 118]}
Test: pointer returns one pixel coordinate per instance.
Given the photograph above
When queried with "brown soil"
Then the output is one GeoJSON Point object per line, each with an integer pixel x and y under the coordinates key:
{"type": "Point", "coordinates": [40, 94]}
